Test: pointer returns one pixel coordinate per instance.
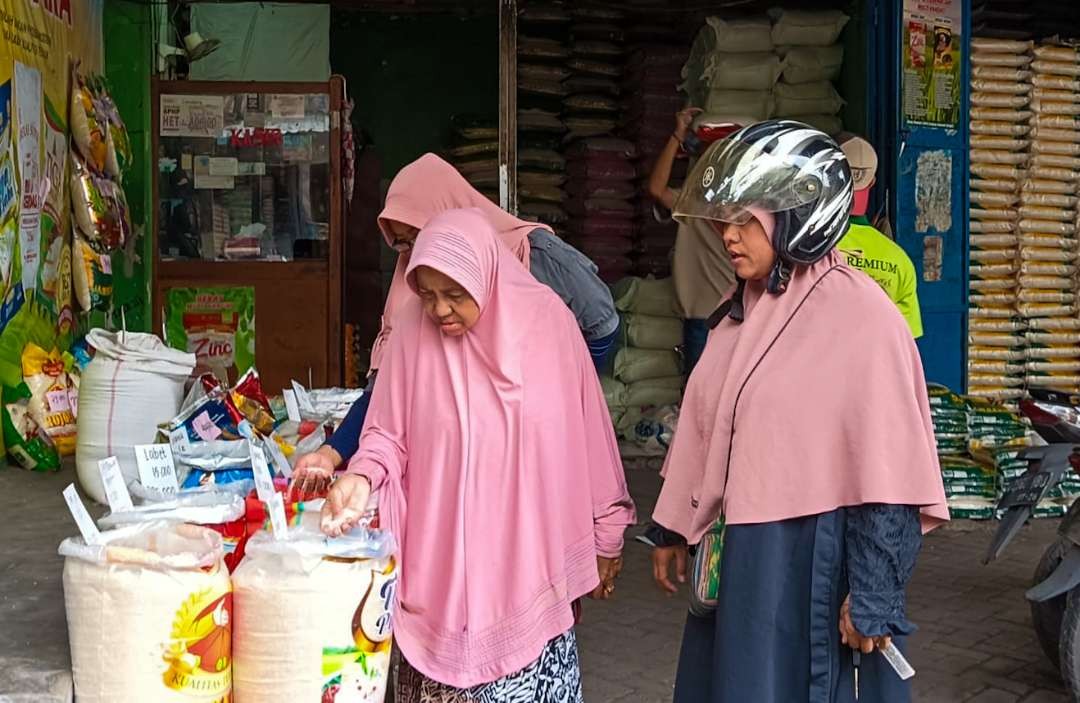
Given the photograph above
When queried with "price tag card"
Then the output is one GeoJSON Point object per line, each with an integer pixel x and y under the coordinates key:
{"type": "Point", "coordinates": [292, 407]}
{"type": "Point", "coordinates": [276, 507]}
{"type": "Point", "coordinates": [179, 441]}
{"type": "Point", "coordinates": [205, 427]}
{"type": "Point", "coordinates": [87, 528]}
{"type": "Point", "coordinates": [116, 492]}
{"type": "Point", "coordinates": [277, 456]}
{"type": "Point", "coordinates": [264, 482]}
{"type": "Point", "coordinates": [156, 468]}
{"type": "Point", "coordinates": [58, 400]}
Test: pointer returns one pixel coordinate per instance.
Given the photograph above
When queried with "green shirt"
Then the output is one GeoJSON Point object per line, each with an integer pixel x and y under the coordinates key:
{"type": "Point", "coordinates": [884, 260]}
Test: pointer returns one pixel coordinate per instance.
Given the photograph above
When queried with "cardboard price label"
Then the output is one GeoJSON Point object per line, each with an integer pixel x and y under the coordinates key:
{"type": "Point", "coordinates": [116, 492]}
{"type": "Point", "coordinates": [157, 471]}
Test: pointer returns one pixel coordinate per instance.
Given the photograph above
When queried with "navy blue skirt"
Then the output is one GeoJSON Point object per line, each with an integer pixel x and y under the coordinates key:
{"type": "Point", "coordinates": [774, 637]}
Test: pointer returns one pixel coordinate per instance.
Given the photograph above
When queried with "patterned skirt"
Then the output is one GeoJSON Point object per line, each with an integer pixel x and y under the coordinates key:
{"type": "Point", "coordinates": [553, 678]}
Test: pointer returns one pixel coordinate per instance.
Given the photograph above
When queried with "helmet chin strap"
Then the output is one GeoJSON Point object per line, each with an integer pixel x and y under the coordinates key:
{"type": "Point", "coordinates": [779, 277]}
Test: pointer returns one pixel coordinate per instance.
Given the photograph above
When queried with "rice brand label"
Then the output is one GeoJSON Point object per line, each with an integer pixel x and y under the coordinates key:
{"type": "Point", "coordinates": [199, 653]}
{"type": "Point", "coordinates": [357, 674]}
{"type": "Point", "coordinates": [217, 325]}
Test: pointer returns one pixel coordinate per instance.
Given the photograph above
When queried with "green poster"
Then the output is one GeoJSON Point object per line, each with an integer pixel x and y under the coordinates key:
{"type": "Point", "coordinates": [932, 85]}
{"type": "Point", "coordinates": [217, 325]}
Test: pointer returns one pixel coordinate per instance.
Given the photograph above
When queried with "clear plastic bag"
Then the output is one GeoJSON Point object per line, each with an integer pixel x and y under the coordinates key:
{"type": "Point", "coordinates": [1007, 283]}
{"type": "Point", "coordinates": [984, 339]}
{"type": "Point", "coordinates": [1045, 310]}
{"type": "Point", "coordinates": [1058, 352]}
{"type": "Point", "coordinates": [992, 270]}
{"type": "Point", "coordinates": [1055, 122]}
{"type": "Point", "coordinates": [1052, 338]}
{"type": "Point", "coordinates": [1054, 367]}
{"type": "Point", "coordinates": [1054, 173]}
{"type": "Point", "coordinates": [993, 313]}
{"type": "Point", "coordinates": [996, 353]}
{"type": "Point", "coordinates": [1047, 269]}
{"type": "Point", "coordinates": [993, 298]}
{"type": "Point", "coordinates": [984, 325]}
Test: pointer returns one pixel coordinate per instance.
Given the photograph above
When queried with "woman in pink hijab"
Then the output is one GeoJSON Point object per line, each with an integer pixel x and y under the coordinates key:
{"type": "Point", "coordinates": [490, 444]}
{"type": "Point", "coordinates": [804, 462]}
{"type": "Point", "coordinates": [420, 191]}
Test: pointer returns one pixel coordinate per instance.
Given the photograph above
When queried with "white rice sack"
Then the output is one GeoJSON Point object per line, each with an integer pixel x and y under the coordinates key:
{"type": "Point", "coordinates": [993, 241]}
{"type": "Point", "coordinates": [979, 285]}
{"type": "Point", "coordinates": [1054, 173]}
{"type": "Point", "coordinates": [982, 85]}
{"type": "Point", "coordinates": [1047, 283]}
{"type": "Point", "coordinates": [982, 339]}
{"type": "Point", "coordinates": [314, 617]}
{"type": "Point", "coordinates": [992, 271]}
{"type": "Point", "coordinates": [1055, 324]}
{"type": "Point", "coordinates": [993, 298]}
{"type": "Point", "coordinates": [1000, 129]}
{"type": "Point", "coordinates": [646, 296]}
{"type": "Point", "coordinates": [1055, 68]}
{"type": "Point", "coordinates": [1071, 163]}
{"type": "Point", "coordinates": [1066, 122]}
{"type": "Point", "coordinates": [1065, 382]}
{"type": "Point", "coordinates": [1045, 310]}
{"type": "Point", "coordinates": [655, 391]}
{"type": "Point", "coordinates": [614, 392]}
{"type": "Point", "coordinates": [1044, 146]}
{"type": "Point", "coordinates": [995, 73]}
{"type": "Point", "coordinates": [992, 156]}
{"type": "Point", "coordinates": [804, 64]}
{"type": "Point", "coordinates": [1001, 60]}
{"type": "Point", "coordinates": [997, 114]}
{"type": "Point", "coordinates": [991, 257]}
{"type": "Point", "coordinates": [633, 365]}
{"type": "Point", "coordinates": [996, 353]}
{"type": "Point", "coordinates": [1052, 95]}
{"type": "Point", "coordinates": [1055, 82]}
{"type": "Point", "coordinates": [995, 394]}
{"type": "Point", "coordinates": [1055, 135]}
{"type": "Point", "coordinates": [982, 141]}
{"type": "Point", "coordinates": [1050, 52]}
{"type": "Point", "coordinates": [1042, 268]}
{"type": "Point", "coordinates": [1046, 227]}
{"type": "Point", "coordinates": [980, 214]}
{"type": "Point", "coordinates": [807, 99]}
{"type": "Point", "coordinates": [995, 185]}
{"type": "Point", "coordinates": [996, 171]}
{"type": "Point", "coordinates": [992, 227]}
{"type": "Point", "coordinates": [995, 367]}
{"type": "Point", "coordinates": [1053, 338]}
{"type": "Point", "coordinates": [983, 325]}
{"type": "Point", "coordinates": [1054, 107]}
{"type": "Point", "coordinates": [1054, 367]}
{"type": "Point", "coordinates": [1064, 352]}
{"type": "Point", "coordinates": [1048, 200]}
{"type": "Point", "coordinates": [757, 71]}
{"type": "Point", "coordinates": [1048, 187]}
{"type": "Point", "coordinates": [806, 27]}
{"type": "Point", "coordinates": [994, 313]}
{"type": "Point", "coordinates": [1053, 214]}
{"type": "Point", "coordinates": [1046, 296]}
{"type": "Point", "coordinates": [757, 104]}
{"type": "Point", "coordinates": [990, 200]}
{"type": "Point", "coordinates": [1033, 253]}
{"type": "Point", "coordinates": [989, 45]}
{"type": "Point", "coordinates": [149, 615]}
{"type": "Point", "coordinates": [738, 36]}
{"type": "Point", "coordinates": [829, 124]}
{"type": "Point", "coordinates": [995, 381]}
{"type": "Point", "coordinates": [998, 100]}
{"type": "Point", "coordinates": [653, 332]}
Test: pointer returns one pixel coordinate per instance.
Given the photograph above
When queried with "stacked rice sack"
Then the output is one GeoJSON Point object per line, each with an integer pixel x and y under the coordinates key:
{"type": "Point", "coordinates": [1048, 224]}
{"type": "Point", "coordinates": [600, 169]}
{"type": "Point", "coordinates": [949, 414]}
{"type": "Point", "coordinates": [970, 487]}
{"type": "Point", "coordinates": [601, 177]}
{"type": "Point", "coordinates": [1000, 98]}
{"type": "Point", "coordinates": [810, 58]}
{"type": "Point", "coordinates": [732, 69]}
{"type": "Point", "coordinates": [476, 153]}
{"type": "Point", "coordinates": [648, 368]}
{"type": "Point", "coordinates": [542, 57]}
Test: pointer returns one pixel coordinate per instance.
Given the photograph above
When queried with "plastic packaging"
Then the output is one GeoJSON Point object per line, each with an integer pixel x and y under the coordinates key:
{"type": "Point", "coordinates": [54, 398]}
{"type": "Point", "coordinates": [27, 443]}
{"type": "Point", "coordinates": [332, 640]}
{"type": "Point", "coordinates": [150, 615]}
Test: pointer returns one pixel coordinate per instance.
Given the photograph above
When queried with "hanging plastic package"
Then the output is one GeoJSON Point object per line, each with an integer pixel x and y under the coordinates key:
{"type": "Point", "coordinates": [133, 384]}
{"type": "Point", "coordinates": [332, 641]}
{"type": "Point", "coordinates": [118, 154]}
{"type": "Point", "coordinates": [150, 615]}
{"type": "Point", "coordinates": [87, 128]}
{"type": "Point", "coordinates": [100, 207]}
{"type": "Point", "coordinates": [51, 396]}
{"type": "Point", "coordinates": [92, 275]}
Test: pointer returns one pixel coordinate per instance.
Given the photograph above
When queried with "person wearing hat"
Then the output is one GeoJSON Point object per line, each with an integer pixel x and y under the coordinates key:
{"type": "Point", "coordinates": [866, 248]}
{"type": "Point", "coordinates": [701, 269]}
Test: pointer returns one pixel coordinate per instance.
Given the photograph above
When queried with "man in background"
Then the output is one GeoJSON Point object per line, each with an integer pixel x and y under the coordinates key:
{"type": "Point", "coordinates": [866, 248]}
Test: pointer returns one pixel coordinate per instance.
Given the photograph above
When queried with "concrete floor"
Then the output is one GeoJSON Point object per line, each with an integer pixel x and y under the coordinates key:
{"type": "Point", "coordinates": [975, 642]}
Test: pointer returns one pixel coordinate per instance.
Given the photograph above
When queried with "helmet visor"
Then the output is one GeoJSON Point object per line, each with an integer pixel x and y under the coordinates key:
{"type": "Point", "coordinates": [733, 176]}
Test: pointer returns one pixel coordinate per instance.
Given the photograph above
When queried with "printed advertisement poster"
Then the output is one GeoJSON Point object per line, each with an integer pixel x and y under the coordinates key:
{"type": "Point", "coordinates": [932, 86]}
{"type": "Point", "coordinates": [192, 116]}
{"type": "Point", "coordinates": [217, 325]}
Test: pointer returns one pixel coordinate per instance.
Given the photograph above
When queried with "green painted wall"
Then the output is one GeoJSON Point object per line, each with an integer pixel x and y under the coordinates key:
{"type": "Point", "coordinates": [128, 66]}
{"type": "Point", "coordinates": [410, 74]}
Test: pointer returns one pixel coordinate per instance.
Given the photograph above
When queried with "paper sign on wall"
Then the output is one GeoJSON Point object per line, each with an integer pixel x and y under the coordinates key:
{"type": "Point", "coordinates": [33, 200]}
{"type": "Point", "coordinates": [156, 468]}
{"type": "Point", "coordinates": [192, 116]}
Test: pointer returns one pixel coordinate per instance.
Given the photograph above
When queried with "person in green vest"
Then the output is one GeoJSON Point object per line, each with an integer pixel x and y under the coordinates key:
{"type": "Point", "coordinates": [870, 251]}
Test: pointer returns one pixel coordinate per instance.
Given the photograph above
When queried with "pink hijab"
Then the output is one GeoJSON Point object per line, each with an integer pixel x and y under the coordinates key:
{"type": "Point", "coordinates": [497, 466]}
{"type": "Point", "coordinates": [815, 401]}
{"type": "Point", "coordinates": [420, 191]}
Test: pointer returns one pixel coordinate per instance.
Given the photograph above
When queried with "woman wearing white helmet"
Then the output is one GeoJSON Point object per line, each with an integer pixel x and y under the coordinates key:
{"type": "Point", "coordinates": [804, 463]}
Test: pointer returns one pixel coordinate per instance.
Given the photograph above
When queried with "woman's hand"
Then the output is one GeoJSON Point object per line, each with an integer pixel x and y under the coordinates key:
{"type": "Point", "coordinates": [345, 504]}
{"type": "Point", "coordinates": [662, 560]}
{"type": "Point", "coordinates": [683, 120]}
{"type": "Point", "coordinates": [313, 473]}
{"type": "Point", "coordinates": [609, 571]}
{"type": "Point", "coordinates": [855, 639]}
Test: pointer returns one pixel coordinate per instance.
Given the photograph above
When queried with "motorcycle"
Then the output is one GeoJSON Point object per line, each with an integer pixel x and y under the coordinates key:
{"type": "Point", "coordinates": [1055, 593]}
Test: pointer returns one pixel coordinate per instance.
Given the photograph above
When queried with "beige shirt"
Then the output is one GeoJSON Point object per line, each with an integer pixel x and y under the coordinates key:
{"type": "Point", "coordinates": [701, 269]}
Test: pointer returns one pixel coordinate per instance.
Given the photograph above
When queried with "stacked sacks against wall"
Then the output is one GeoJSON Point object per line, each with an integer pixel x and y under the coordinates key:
{"type": "Point", "coordinates": [1048, 225]}
{"type": "Point", "coordinates": [542, 57]}
{"type": "Point", "coordinates": [732, 68]}
{"type": "Point", "coordinates": [811, 58]}
{"type": "Point", "coordinates": [476, 153]}
{"type": "Point", "coordinates": [1000, 97]}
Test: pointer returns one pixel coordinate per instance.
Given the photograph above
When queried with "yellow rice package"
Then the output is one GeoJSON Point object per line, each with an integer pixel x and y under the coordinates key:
{"type": "Point", "coordinates": [52, 392]}
{"type": "Point", "coordinates": [93, 275]}
{"type": "Point", "coordinates": [87, 128]}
